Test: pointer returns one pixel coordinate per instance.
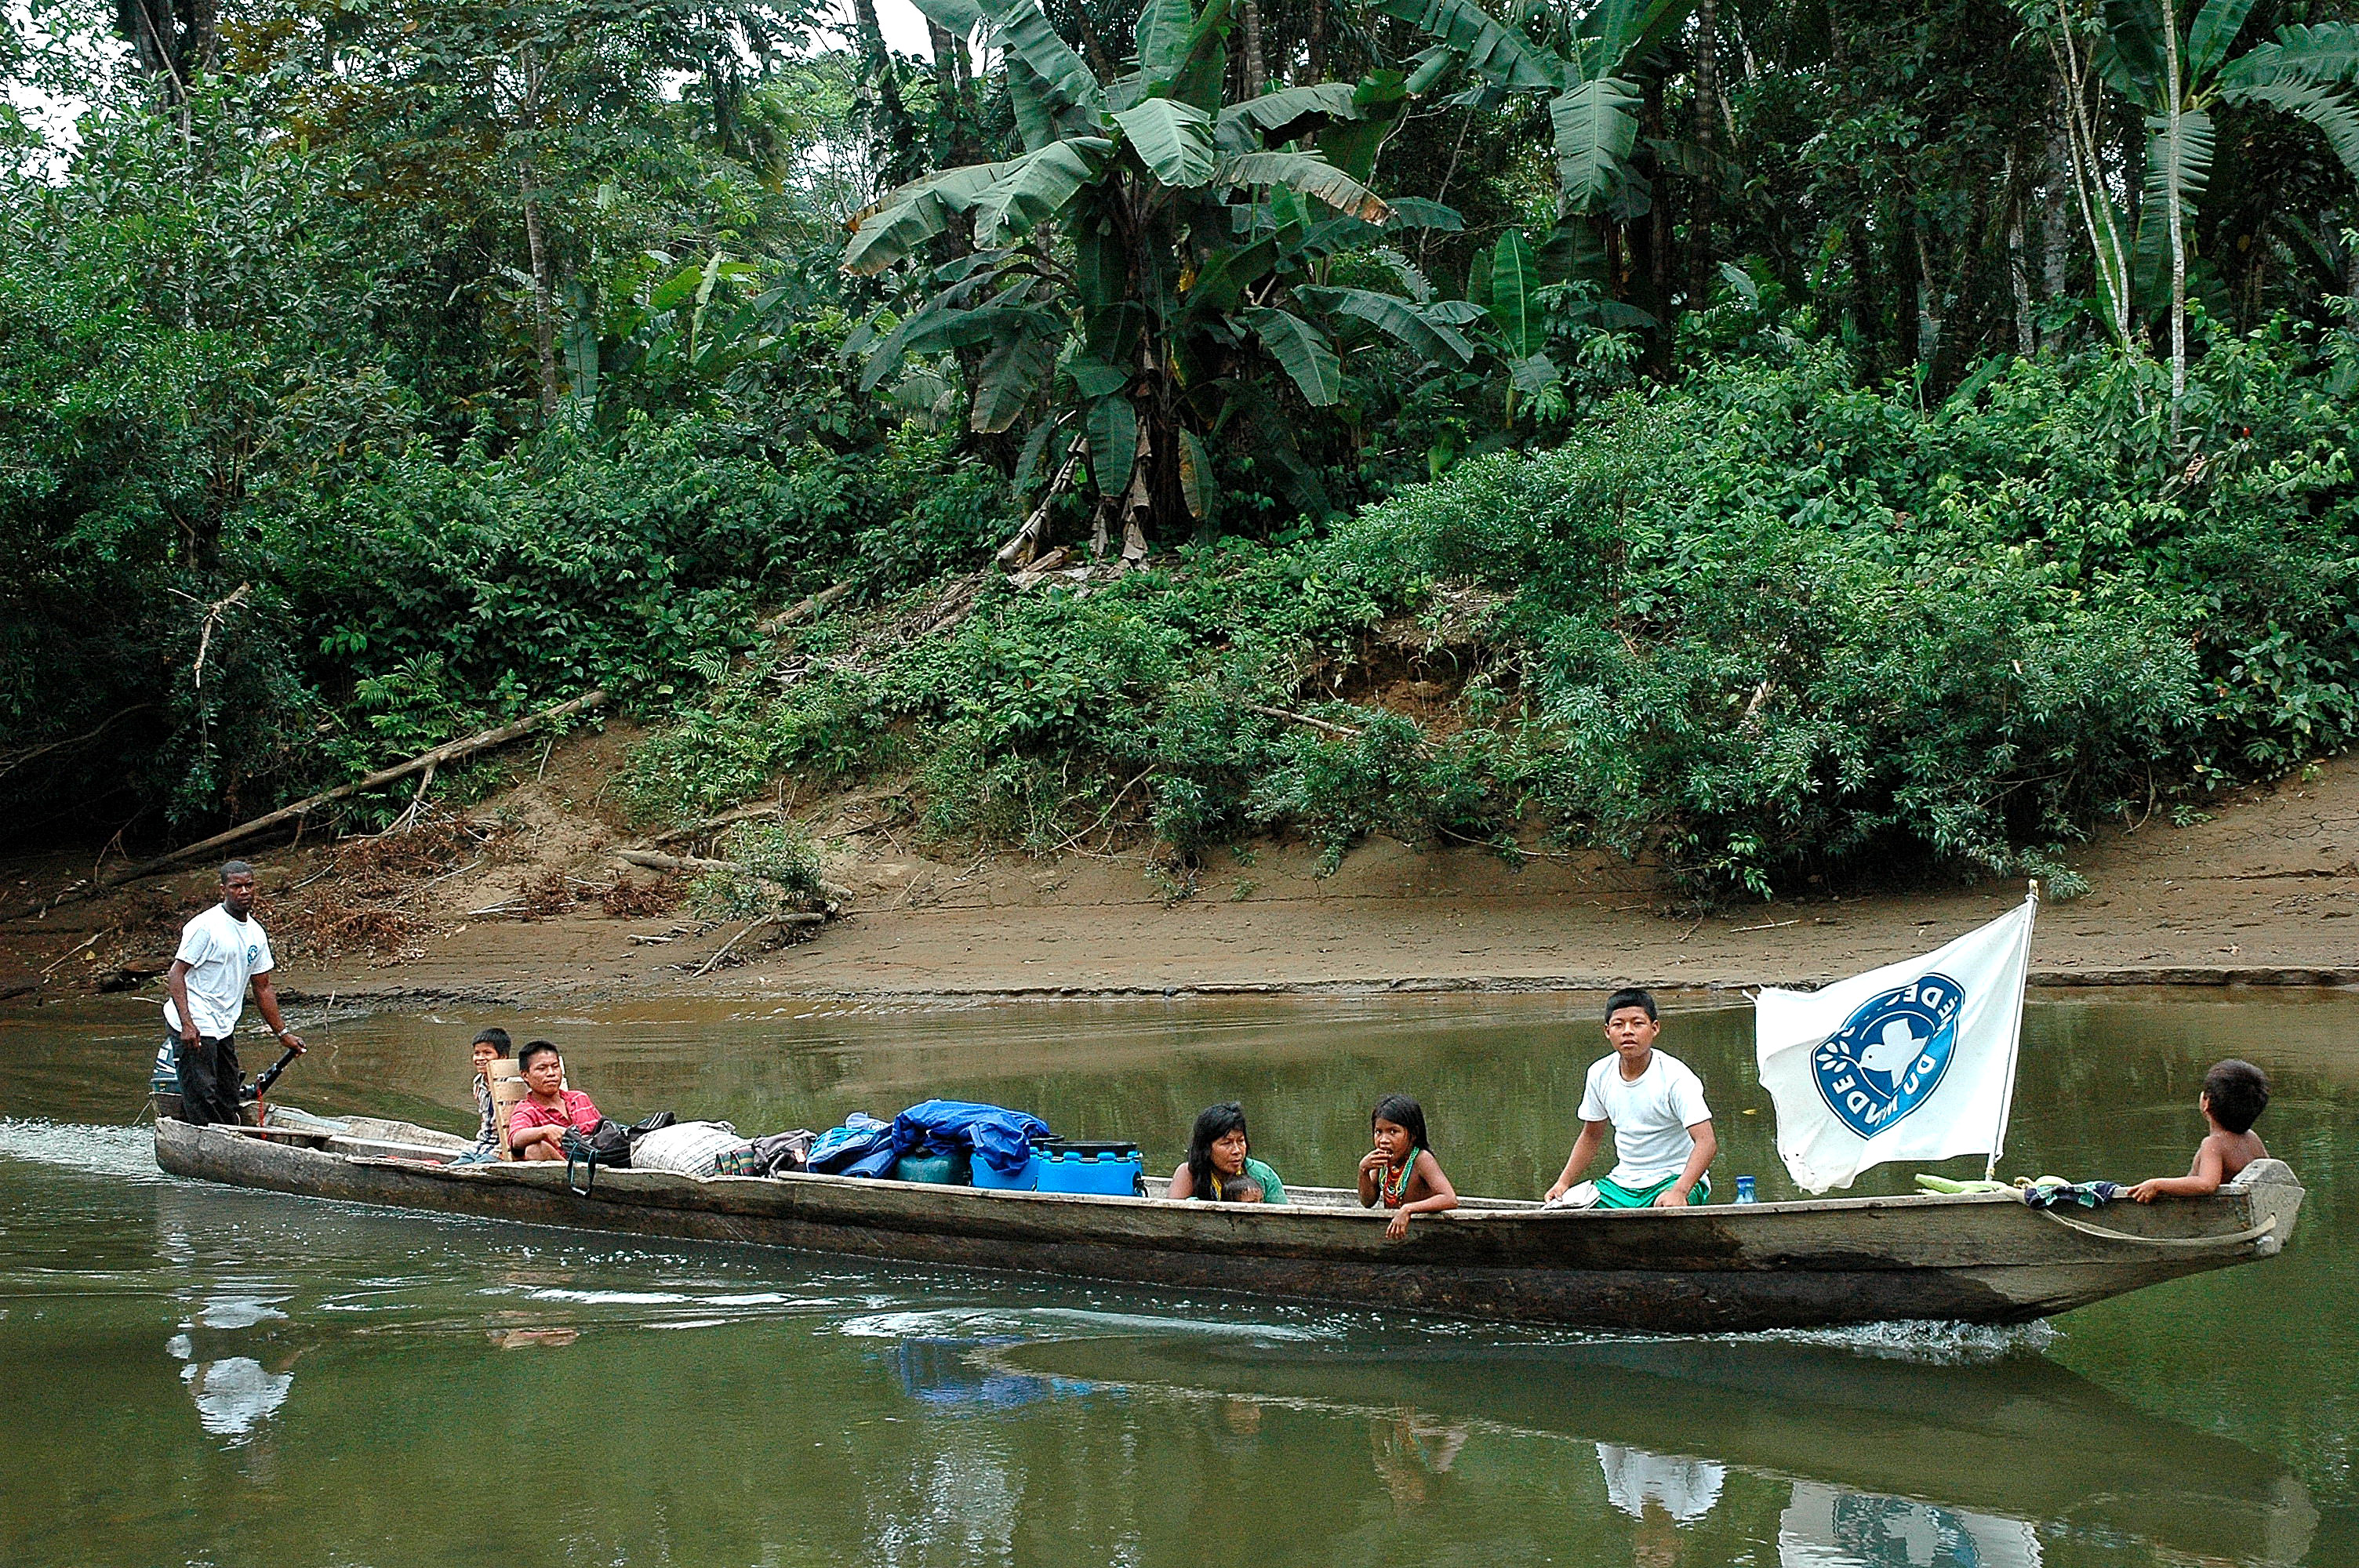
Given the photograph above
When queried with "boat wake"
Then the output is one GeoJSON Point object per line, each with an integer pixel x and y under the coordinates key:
{"type": "Point", "coordinates": [1924, 1343]}
{"type": "Point", "coordinates": [123, 1153]}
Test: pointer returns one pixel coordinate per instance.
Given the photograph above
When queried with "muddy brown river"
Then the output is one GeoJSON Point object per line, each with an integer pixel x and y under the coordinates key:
{"type": "Point", "coordinates": [194, 1375]}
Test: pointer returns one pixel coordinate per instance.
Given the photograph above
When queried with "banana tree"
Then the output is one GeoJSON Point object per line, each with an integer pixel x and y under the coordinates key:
{"type": "Point", "coordinates": [2172, 61]}
{"type": "Point", "coordinates": [1580, 56]}
{"type": "Point", "coordinates": [1143, 265]}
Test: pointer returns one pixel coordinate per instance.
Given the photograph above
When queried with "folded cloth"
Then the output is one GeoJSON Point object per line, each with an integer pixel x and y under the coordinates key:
{"type": "Point", "coordinates": [1611, 1194]}
{"type": "Point", "coordinates": [782, 1152]}
{"type": "Point", "coordinates": [689, 1148]}
{"type": "Point", "coordinates": [1580, 1194]}
{"type": "Point", "coordinates": [859, 1136]}
{"type": "Point", "coordinates": [2050, 1193]}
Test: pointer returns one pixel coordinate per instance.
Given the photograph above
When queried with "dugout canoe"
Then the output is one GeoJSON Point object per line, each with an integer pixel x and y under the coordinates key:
{"type": "Point", "coordinates": [1715, 1269]}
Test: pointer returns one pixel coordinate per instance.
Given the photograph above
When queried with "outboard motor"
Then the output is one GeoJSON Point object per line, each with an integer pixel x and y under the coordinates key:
{"type": "Point", "coordinates": [163, 1084]}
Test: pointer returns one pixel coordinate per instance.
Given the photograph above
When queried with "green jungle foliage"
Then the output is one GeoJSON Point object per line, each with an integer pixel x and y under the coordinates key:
{"type": "Point", "coordinates": [1783, 442]}
{"type": "Point", "coordinates": [1763, 626]}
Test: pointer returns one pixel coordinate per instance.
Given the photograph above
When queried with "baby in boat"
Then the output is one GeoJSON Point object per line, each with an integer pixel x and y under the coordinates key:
{"type": "Point", "coordinates": [1400, 1172]}
{"type": "Point", "coordinates": [2234, 1094]}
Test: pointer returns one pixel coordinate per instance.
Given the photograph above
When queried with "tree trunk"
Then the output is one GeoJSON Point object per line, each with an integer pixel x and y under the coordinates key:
{"type": "Point", "coordinates": [2018, 276]}
{"type": "Point", "coordinates": [544, 326]}
{"type": "Point", "coordinates": [2178, 236]}
{"type": "Point", "coordinates": [902, 159]}
{"type": "Point", "coordinates": [544, 310]}
{"type": "Point", "coordinates": [1661, 266]}
{"type": "Point", "coordinates": [1254, 75]}
{"type": "Point", "coordinates": [1318, 40]}
{"type": "Point", "coordinates": [1707, 104]}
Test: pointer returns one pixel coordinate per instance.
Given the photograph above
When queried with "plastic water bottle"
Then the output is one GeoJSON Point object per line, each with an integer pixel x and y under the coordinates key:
{"type": "Point", "coordinates": [1745, 1190]}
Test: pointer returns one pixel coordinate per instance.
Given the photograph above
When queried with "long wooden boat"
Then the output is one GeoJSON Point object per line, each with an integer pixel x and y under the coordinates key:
{"type": "Point", "coordinates": [1985, 1258]}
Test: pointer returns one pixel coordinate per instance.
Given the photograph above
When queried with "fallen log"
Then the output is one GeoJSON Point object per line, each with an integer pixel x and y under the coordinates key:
{"type": "Point", "coordinates": [672, 865]}
{"type": "Point", "coordinates": [804, 610]}
{"type": "Point", "coordinates": [449, 751]}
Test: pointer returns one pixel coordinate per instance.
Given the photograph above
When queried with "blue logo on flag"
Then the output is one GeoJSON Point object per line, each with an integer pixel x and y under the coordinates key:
{"type": "Point", "coordinates": [1889, 1055]}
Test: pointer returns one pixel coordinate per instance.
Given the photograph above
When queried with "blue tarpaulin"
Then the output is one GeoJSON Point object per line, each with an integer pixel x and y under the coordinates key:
{"type": "Point", "coordinates": [998, 1137]}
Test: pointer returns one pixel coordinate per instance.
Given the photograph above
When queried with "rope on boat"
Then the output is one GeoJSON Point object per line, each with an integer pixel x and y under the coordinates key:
{"type": "Point", "coordinates": [2237, 1238]}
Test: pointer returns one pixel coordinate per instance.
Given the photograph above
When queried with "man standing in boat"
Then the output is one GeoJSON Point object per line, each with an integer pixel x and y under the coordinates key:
{"type": "Point", "coordinates": [222, 951]}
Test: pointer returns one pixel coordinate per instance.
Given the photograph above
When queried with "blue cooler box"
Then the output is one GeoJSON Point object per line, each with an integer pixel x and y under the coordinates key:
{"type": "Point", "coordinates": [1025, 1181]}
{"type": "Point", "coordinates": [1108, 1170]}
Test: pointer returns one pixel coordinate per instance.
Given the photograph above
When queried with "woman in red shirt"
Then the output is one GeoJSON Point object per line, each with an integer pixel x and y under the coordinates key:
{"type": "Point", "coordinates": [536, 1126]}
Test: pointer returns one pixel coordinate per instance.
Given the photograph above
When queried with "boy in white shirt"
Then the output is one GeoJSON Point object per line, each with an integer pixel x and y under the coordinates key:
{"type": "Point", "coordinates": [220, 951]}
{"type": "Point", "coordinates": [1654, 1102]}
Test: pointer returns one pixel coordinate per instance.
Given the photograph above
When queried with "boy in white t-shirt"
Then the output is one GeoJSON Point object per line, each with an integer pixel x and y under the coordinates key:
{"type": "Point", "coordinates": [220, 951]}
{"type": "Point", "coordinates": [1662, 1129]}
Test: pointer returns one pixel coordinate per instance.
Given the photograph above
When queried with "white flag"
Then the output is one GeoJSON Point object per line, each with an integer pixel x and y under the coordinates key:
{"type": "Point", "coordinates": [1913, 1061]}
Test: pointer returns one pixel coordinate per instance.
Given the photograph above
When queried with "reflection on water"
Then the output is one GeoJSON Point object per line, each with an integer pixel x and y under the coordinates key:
{"type": "Point", "coordinates": [199, 1375]}
{"type": "Point", "coordinates": [1636, 1481]}
{"type": "Point", "coordinates": [236, 1394]}
{"type": "Point", "coordinates": [1822, 1528]}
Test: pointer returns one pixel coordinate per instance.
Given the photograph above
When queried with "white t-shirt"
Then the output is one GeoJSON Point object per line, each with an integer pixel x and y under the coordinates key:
{"type": "Point", "coordinates": [222, 953]}
{"type": "Point", "coordinates": [1650, 1116]}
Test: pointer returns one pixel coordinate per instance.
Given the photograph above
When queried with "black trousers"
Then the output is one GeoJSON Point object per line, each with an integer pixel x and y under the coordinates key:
{"type": "Point", "coordinates": [210, 1079]}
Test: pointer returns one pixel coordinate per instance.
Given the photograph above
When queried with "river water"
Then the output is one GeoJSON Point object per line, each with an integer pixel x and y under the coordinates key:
{"type": "Point", "coordinates": [196, 1375]}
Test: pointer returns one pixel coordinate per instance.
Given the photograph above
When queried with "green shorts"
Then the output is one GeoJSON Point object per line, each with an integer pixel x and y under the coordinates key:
{"type": "Point", "coordinates": [1613, 1195]}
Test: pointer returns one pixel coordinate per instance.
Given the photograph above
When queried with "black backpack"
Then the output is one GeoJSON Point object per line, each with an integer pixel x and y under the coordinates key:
{"type": "Point", "coordinates": [609, 1145]}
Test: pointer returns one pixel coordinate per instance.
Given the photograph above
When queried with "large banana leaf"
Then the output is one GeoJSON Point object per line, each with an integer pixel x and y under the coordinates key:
{"type": "Point", "coordinates": [2193, 169]}
{"type": "Point", "coordinates": [2329, 108]}
{"type": "Point", "coordinates": [2216, 27]}
{"type": "Point", "coordinates": [1172, 138]}
{"type": "Point", "coordinates": [1514, 303]}
{"type": "Point", "coordinates": [1492, 51]}
{"type": "Point", "coordinates": [1018, 362]}
{"type": "Point", "coordinates": [1417, 212]}
{"type": "Point", "coordinates": [1035, 186]}
{"type": "Point", "coordinates": [1221, 284]}
{"type": "Point", "coordinates": [1306, 172]}
{"type": "Point", "coordinates": [960, 18]}
{"type": "Point", "coordinates": [1618, 28]}
{"type": "Point", "coordinates": [1595, 130]}
{"type": "Point", "coordinates": [1095, 379]}
{"type": "Point", "coordinates": [1196, 487]}
{"type": "Point", "coordinates": [907, 218]}
{"type": "Point", "coordinates": [1022, 30]}
{"type": "Point", "coordinates": [2131, 56]}
{"type": "Point", "coordinates": [1301, 351]}
{"type": "Point", "coordinates": [1027, 101]}
{"type": "Point", "coordinates": [2327, 52]}
{"type": "Point", "coordinates": [1204, 59]}
{"type": "Point", "coordinates": [1162, 33]}
{"type": "Point", "coordinates": [1243, 125]}
{"type": "Point", "coordinates": [1394, 317]}
{"type": "Point", "coordinates": [1113, 443]}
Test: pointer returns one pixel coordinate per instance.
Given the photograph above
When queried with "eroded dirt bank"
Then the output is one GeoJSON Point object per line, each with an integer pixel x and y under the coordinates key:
{"type": "Point", "coordinates": [536, 906]}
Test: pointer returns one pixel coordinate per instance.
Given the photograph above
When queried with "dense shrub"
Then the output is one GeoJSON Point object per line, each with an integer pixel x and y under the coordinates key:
{"type": "Point", "coordinates": [1766, 627]}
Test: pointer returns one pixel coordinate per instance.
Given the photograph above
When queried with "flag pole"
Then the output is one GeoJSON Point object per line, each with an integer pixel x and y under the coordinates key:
{"type": "Point", "coordinates": [2014, 1039]}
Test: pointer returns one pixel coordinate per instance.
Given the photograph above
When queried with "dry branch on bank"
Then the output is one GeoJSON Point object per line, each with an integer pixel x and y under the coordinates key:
{"type": "Point", "coordinates": [424, 761]}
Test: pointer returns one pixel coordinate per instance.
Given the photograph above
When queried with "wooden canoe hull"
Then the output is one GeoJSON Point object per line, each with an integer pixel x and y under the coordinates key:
{"type": "Point", "coordinates": [1714, 1268]}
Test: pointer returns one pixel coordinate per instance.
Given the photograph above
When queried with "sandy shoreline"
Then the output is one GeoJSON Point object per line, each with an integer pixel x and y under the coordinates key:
{"type": "Point", "coordinates": [2264, 891]}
